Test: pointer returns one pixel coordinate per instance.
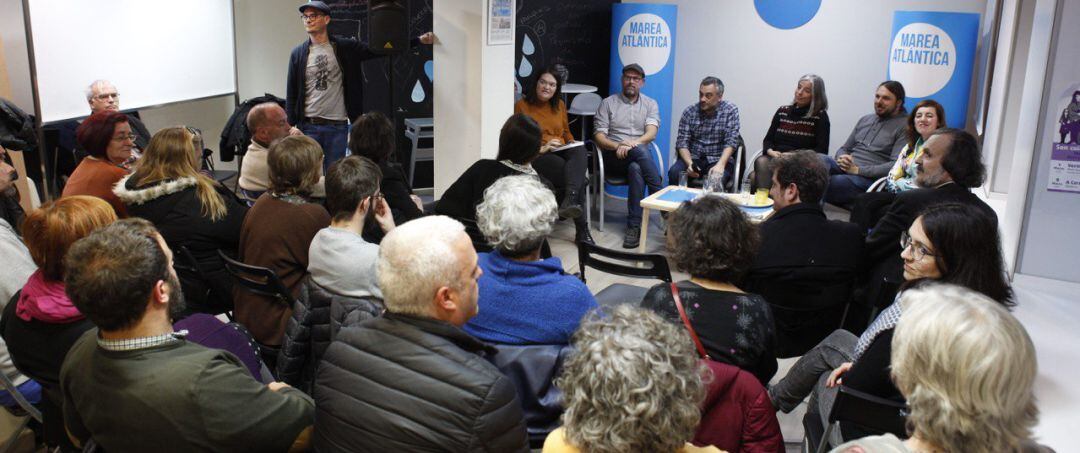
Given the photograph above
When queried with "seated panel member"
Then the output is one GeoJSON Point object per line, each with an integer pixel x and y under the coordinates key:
{"type": "Point", "coordinates": [872, 147]}
{"type": "Point", "coordinates": [565, 168]}
{"type": "Point", "coordinates": [524, 299]}
{"type": "Point", "coordinates": [708, 136]}
{"type": "Point", "coordinates": [412, 380]}
{"type": "Point", "coordinates": [625, 125]}
{"type": "Point", "coordinates": [136, 384]}
{"type": "Point", "coordinates": [802, 124]}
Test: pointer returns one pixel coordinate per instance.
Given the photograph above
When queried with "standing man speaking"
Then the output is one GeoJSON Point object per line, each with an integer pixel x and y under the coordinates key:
{"type": "Point", "coordinates": [326, 84]}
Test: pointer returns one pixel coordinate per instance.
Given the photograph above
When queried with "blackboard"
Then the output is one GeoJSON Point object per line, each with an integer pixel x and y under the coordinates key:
{"type": "Point", "coordinates": [576, 34]}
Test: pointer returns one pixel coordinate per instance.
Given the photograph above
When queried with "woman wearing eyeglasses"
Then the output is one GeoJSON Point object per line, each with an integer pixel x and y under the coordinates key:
{"type": "Point", "coordinates": [951, 243]}
{"type": "Point", "coordinates": [107, 138]}
{"type": "Point", "coordinates": [192, 212]}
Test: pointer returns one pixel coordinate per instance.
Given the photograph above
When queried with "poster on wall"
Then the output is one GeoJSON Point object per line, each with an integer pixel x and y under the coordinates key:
{"type": "Point", "coordinates": [500, 22]}
{"type": "Point", "coordinates": [645, 34]}
{"type": "Point", "coordinates": [933, 55]}
{"type": "Point", "coordinates": [1065, 145]}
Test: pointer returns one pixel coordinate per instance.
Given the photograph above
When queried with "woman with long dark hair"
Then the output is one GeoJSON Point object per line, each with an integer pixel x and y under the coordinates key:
{"type": "Point", "coordinates": [565, 168]}
{"type": "Point", "coordinates": [372, 136]}
{"type": "Point", "coordinates": [949, 243]}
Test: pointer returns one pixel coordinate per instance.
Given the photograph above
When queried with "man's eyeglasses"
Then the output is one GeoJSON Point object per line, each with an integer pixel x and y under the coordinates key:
{"type": "Point", "coordinates": [630, 78]}
{"type": "Point", "coordinates": [104, 96]}
{"type": "Point", "coordinates": [307, 17]}
{"type": "Point", "coordinates": [918, 251]}
{"type": "Point", "coordinates": [122, 137]}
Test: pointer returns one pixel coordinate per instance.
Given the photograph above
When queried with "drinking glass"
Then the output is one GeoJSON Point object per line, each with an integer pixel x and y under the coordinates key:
{"type": "Point", "coordinates": [682, 179]}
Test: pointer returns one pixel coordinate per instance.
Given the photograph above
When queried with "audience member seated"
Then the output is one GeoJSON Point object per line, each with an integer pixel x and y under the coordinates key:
{"type": "Point", "coordinates": [633, 384]}
{"type": "Point", "coordinates": [524, 299]}
{"type": "Point", "coordinates": [107, 137]}
{"type": "Point", "coordinates": [277, 234]}
{"type": "Point", "coordinates": [341, 264]}
{"type": "Point", "coordinates": [122, 279]}
{"type": "Point", "coordinates": [267, 124]}
{"type": "Point", "coordinates": [19, 266]}
{"type": "Point", "coordinates": [625, 125]}
{"type": "Point", "coordinates": [412, 380]}
{"type": "Point", "coordinates": [802, 124]}
{"type": "Point", "coordinates": [190, 210]}
{"type": "Point", "coordinates": [519, 146]}
{"type": "Point", "coordinates": [372, 136]}
{"type": "Point", "coordinates": [807, 265]}
{"type": "Point", "coordinates": [712, 240]}
{"type": "Point", "coordinates": [10, 210]}
{"type": "Point", "coordinates": [708, 137]}
{"type": "Point", "coordinates": [949, 167]}
{"type": "Point", "coordinates": [951, 243]}
{"type": "Point", "coordinates": [925, 118]}
{"type": "Point", "coordinates": [565, 168]}
{"type": "Point", "coordinates": [41, 323]}
{"type": "Point", "coordinates": [101, 96]}
{"type": "Point", "coordinates": [871, 149]}
{"type": "Point", "coordinates": [967, 368]}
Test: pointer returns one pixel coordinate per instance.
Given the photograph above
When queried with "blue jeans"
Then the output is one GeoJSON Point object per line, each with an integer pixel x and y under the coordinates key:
{"type": "Point", "coordinates": [334, 139]}
{"type": "Point", "coordinates": [680, 166]}
{"type": "Point", "coordinates": [843, 187]}
{"type": "Point", "coordinates": [640, 172]}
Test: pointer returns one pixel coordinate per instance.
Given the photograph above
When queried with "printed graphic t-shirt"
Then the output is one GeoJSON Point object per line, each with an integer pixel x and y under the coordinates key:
{"type": "Point", "coordinates": [325, 95]}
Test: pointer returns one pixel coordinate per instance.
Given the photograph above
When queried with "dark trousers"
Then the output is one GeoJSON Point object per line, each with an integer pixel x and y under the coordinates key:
{"type": "Point", "coordinates": [843, 187]}
{"type": "Point", "coordinates": [640, 171]}
{"type": "Point", "coordinates": [566, 171]}
{"type": "Point", "coordinates": [679, 166]}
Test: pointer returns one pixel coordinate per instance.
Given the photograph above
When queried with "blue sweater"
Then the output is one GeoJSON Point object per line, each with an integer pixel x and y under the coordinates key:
{"type": "Point", "coordinates": [528, 302]}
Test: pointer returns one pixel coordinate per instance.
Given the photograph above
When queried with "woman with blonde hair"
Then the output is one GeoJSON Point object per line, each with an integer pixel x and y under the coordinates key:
{"type": "Point", "coordinates": [966, 367]}
{"type": "Point", "coordinates": [196, 215]}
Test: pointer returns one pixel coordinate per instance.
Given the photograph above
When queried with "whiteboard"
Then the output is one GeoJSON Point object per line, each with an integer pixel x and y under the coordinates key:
{"type": "Point", "coordinates": [154, 51]}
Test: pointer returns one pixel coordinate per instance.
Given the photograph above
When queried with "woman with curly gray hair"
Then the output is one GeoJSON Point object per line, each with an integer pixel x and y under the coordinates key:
{"type": "Point", "coordinates": [634, 383]}
{"type": "Point", "coordinates": [966, 367]}
{"type": "Point", "coordinates": [524, 299]}
{"type": "Point", "coordinates": [711, 239]}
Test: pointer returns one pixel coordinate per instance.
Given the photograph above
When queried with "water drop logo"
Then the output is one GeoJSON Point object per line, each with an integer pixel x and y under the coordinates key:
{"type": "Point", "coordinates": [787, 14]}
{"type": "Point", "coordinates": [923, 58]}
{"type": "Point", "coordinates": [645, 39]}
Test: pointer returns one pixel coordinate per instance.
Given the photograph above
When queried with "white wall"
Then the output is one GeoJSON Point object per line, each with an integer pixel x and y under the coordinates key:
{"type": "Point", "coordinates": [475, 89]}
{"type": "Point", "coordinates": [17, 60]}
{"type": "Point", "coordinates": [846, 44]}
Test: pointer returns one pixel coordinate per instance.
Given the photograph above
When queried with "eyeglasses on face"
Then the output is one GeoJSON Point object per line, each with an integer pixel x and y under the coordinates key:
{"type": "Point", "coordinates": [122, 137]}
{"type": "Point", "coordinates": [104, 96]}
{"type": "Point", "coordinates": [918, 251]}
{"type": "Point", "coordinates": [307, 17]}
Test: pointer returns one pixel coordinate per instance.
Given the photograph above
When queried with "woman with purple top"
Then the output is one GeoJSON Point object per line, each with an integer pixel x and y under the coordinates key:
{"type": "Point", "coordinates": [524, 299]}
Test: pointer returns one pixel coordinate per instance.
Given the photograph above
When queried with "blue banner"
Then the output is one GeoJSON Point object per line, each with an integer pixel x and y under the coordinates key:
{"type": "Point", "coordinates": [645, 34]}
{"type": "Point", "coordinates": [933, 55]}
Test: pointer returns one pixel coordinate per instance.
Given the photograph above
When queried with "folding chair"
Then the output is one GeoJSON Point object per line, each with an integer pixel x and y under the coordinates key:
{"type": "Point", "coordinates": [656, 267]}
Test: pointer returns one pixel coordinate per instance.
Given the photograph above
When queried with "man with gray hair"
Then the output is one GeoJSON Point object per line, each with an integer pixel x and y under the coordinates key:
{"type": "Point", "coordinates": [380, 377]}
{"type": "Point", "coordinates": [525, 299]}
{"type": "Point", "coordinates": [708, 136]}
{"type": "Point", "coordinates": [101, 95]}
{"type": "Point", "coordinates": [267, 123]}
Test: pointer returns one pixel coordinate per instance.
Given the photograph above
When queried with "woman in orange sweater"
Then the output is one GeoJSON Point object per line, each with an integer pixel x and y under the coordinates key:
{"type": "Point", "coordinates": [565, 168]}
{"type": "Point", "coordinates": [107, 137]}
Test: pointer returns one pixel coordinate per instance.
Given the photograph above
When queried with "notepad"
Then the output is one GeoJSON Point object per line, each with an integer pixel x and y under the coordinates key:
{"type": "Point", "coordinates": [678, 196]}
{"type": "Point", "coordinates": [567, 146]}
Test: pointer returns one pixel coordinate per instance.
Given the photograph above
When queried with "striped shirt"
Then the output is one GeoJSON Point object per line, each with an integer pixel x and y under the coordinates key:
{"type": "Point", "coordinates": [791, 129]}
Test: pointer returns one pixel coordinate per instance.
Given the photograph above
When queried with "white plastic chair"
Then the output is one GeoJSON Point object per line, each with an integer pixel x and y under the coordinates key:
{"type": "Point", "coordinates": [604, 179]}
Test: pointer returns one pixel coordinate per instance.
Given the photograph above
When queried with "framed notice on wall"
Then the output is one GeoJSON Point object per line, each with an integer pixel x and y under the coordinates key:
{"type": "Point", "coordinates": [500, 22]}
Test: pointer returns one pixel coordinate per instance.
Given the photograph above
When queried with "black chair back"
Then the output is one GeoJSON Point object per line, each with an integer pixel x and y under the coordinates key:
{"type": "Point", "coordinates": [869, 412]}
{"type": "Point", "coordinates": [656, 266]}
{"type": "Point", "coordinates": [533, 369]}
{"type": "Point", "coordinates": [258, 280]}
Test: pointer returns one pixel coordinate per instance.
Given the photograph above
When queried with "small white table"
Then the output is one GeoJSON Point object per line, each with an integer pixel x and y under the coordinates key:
{"type": "Point", "coordinates": [653, 201]}
{"type": "Point", "coordinates": [577, 88]}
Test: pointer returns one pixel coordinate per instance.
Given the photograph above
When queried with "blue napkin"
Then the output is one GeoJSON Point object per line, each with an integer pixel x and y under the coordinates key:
{"type": "Point", "coordinates": [678, 195]}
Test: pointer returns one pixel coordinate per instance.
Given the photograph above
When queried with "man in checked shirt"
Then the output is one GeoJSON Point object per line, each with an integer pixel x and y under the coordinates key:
{"type": "Point", "coordinates": [708, 135]}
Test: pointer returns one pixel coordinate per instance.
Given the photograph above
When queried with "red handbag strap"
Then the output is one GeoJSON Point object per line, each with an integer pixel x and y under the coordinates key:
{"type": "Point", "coordinates": [686, 322]}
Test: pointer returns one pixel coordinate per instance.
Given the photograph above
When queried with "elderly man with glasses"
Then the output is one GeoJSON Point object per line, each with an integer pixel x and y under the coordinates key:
{"type": "Point", "coordinates": [101, 96]}
{"type": "Point", "coordinates": [325, 82]}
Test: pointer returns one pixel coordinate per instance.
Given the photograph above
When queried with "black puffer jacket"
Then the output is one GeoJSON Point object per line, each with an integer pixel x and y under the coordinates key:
{"type": "Point", "coordinates": [404, 383]}
{"type": "Point", "coordinates": [311, 329]}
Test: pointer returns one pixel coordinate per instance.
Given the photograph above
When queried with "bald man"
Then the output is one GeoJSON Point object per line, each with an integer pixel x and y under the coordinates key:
{"type": "Point", "coordinates": [267, 123]}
